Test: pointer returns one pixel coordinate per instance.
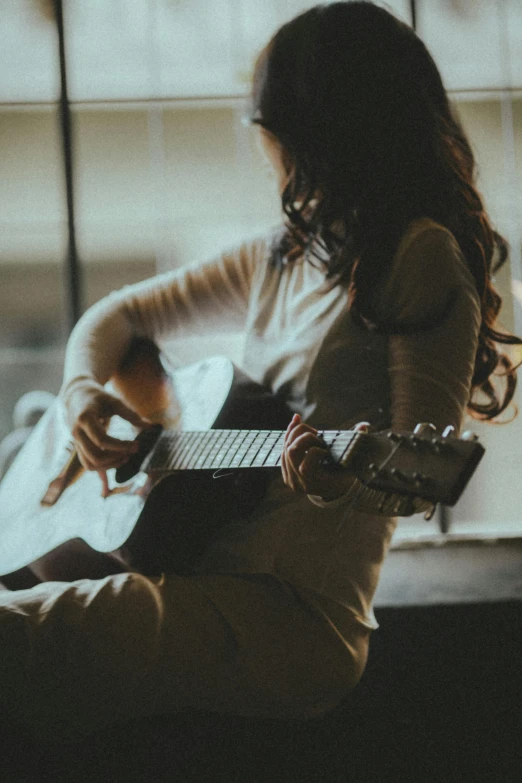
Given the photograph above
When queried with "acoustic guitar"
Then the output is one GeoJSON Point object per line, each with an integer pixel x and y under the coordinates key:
{"type": "Point", "coordinates": [215, 442]}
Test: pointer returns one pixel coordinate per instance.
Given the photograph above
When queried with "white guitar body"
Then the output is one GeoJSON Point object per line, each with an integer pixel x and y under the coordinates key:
{"type": "Point", "coordinates": [166, 505]}
{"type": "Point", "coordinates": [29, 530]}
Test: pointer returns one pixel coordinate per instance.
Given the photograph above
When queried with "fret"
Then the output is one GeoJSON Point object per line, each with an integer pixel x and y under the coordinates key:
{"type": "Point", "coordinates": [341, 444]}
{"type": "Point", "coordinates": [191, 451]}
{"type": "Point", "coordinates": [225, 441]}
{"type": "Point", "coordinates": [252, 452]}
{"type": "Point", "coordinates": [201, 453]}
{"type": "Point", "coordinates": [211, 451]}
{"type": "Point", "coordinates": [217, 444]}
{"type": "Point", "coordinates": [274, 457]}
{"type": "Point", "coordinates": [215, 449]}
{"type": "Point", "coordinates": [233, 447]}
{"type": "Point", "coordinates": [329, 436]}
{"type": "Point", "coordinates": [160, 457]}
{"type": "Point", "coordinates": [177, 443]}
{"type": "Point", "coordinates": [260, 460]}
{"type": "Point", "coordinates": [246, 443]}
{"type": "Point", "coordinates": [186, 446]}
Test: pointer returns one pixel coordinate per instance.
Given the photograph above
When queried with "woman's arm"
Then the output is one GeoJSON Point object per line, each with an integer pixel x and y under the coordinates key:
{"type": "Point", "coordinates": [210, 296]}
{"type": "Point", "coordinates": [213, 295]}
{"type": "Point", "coordinates": [430, 295]}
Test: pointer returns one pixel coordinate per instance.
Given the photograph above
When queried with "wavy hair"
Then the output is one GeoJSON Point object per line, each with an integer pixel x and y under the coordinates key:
{"type": "Point", "coordinates": [369, 144]}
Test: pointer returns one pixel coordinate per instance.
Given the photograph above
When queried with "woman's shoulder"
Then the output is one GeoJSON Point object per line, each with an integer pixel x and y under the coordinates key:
{"type": "Point", "coordinates": [247, 258]}
{"type": "Point", "coordinates": [427, 271]}
{"type": "Point", "coordinates": [258, 249]}
{"type": "Point", "coordinates": [422, 235]}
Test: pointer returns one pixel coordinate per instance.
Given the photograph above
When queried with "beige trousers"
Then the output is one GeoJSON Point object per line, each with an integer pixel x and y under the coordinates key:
{"type": "Point", "coordinates": [76, 657]}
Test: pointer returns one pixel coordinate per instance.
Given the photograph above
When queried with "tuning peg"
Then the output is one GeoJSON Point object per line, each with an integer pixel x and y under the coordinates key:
{"type": "Point", "coordinates": [398, 474]}
{"type": "Point", "coordinates": [469, 435]}
{"type": "Point", "coordinates": [448, 432]}
{"type": "Point", "coordinates": [437, 445]}
{"type": "Point", "coordinates": [430, 512]}
{"type": "Point", "coordinates": [424, 428]}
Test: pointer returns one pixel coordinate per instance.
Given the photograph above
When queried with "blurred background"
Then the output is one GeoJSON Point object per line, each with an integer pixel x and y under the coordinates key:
{"type": "Point", "coordinates": [164, 170]}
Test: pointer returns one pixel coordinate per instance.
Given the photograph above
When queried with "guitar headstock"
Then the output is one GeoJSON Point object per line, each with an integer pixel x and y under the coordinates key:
{"type": "Point", "coordinates": [422, 463]}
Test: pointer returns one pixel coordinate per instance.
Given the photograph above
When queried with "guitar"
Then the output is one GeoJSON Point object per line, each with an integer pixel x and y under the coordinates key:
{"type": "Point", "coordinates": [204, 462]}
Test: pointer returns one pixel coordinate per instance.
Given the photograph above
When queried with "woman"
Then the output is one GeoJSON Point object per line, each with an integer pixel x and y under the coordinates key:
{"type": "Point", "coordinates": [373, 303]}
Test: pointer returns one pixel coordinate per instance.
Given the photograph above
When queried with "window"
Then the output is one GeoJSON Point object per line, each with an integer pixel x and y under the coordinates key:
{"type": "Point", "coordinates": [165, 171]}
{"type": "Point", "coordinates": [478, 48]}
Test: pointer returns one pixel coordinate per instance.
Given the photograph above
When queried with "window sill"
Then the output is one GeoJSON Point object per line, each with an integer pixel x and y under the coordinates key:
{"type": "Point", "coordinates": [451, 570]}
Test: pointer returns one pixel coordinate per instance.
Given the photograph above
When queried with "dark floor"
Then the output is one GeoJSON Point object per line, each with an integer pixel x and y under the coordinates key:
{"type": "Point", "coordinates": [440, 701]}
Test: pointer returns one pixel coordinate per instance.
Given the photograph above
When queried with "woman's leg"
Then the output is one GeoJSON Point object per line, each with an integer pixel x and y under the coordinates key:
{"type": "Point", "coordinates": [74, 560]}
{"type": "Point", "coordinates": [79, 656]}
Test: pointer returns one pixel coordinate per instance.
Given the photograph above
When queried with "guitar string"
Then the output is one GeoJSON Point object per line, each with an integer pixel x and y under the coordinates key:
{"type": "Point", "coordinates": [253, 449]}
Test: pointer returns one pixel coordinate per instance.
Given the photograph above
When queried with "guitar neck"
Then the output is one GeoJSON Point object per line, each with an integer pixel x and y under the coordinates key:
{"type": "Point", "coordinates": [234, 449]}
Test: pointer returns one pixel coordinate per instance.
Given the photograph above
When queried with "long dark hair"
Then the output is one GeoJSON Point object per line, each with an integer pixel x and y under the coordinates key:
{"type": "Point", "coordinates": [370, 143]}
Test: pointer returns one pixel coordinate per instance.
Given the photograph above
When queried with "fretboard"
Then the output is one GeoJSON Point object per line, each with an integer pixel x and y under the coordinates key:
{"type": "Point", "coordinates": [226, 449]}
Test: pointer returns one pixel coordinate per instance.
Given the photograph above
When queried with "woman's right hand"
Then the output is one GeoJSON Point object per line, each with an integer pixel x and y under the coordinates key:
{"type": "Point", "coordinates": [89, 411]}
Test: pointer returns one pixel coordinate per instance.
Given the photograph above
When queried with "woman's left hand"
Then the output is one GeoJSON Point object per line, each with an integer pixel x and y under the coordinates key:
{"type": "Point", "coordinates": [303, 463]}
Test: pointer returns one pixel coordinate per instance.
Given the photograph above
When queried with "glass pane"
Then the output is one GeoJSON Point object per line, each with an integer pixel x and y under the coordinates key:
{"type": "Point", "coordinates": [160, 188]}
{"type": "Point", "coordinates": [31, 190]}
{"type": "Point", "coordinates": [208, 152]}
{"type": "Point", "coordinates": [114, 200]}
{"type": "Point", "coordinates": [114, 189]}
{"type": "Point", "coordinates": [146, 49]}
{"type": "Point", "coordinates": [491, 504]}
{"type": "Point", "coordinates": [158, 48]}
{"type": "Point", "coordinates": [168, 186]}
{"type": "Point", "coordinates": [32, 249]}
{"type": "Point", "coordinates": [477, 45]}
{"type": "Point", "coordinates": [516, 173]}
{"type": "Point", "coordinates": [30, 69]}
